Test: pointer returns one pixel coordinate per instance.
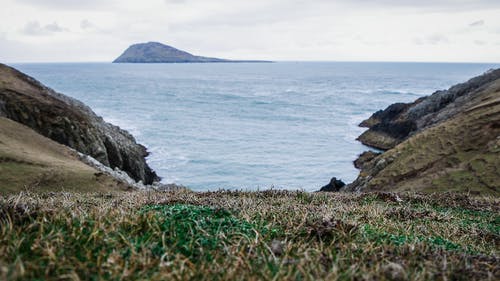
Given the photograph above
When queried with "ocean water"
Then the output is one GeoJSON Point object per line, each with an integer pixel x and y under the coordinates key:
{"type": "Point", "coordinates": [289, 125]}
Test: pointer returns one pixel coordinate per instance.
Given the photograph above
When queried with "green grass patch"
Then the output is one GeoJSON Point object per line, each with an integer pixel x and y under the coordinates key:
{"type": "Point", "coordinates": [474, 219]}
{"type": "Point", "coordinates": [380, 237]}
{"type": "Point", "coordinates": [196, 231]}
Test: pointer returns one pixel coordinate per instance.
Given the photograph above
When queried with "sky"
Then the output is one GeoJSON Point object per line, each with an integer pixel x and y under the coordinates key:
{"type": "Point", "coordinates": [296, 30]}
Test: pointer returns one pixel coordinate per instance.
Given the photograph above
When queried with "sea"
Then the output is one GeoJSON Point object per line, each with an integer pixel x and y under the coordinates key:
{"type": "Point", "coordinates": [248, 126]}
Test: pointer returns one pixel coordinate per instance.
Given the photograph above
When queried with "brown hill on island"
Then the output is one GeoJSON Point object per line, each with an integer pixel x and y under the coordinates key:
{"type": "Point", "coordinates": [449, 141]}
{"type": "Point", "coordinates": [71, 123]}
{"type": "Point", "coordinates": [155, 52]}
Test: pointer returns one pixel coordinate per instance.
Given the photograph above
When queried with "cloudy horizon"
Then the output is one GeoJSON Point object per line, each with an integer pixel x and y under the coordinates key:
{"type": "Point", "coordinates": [293, 30]}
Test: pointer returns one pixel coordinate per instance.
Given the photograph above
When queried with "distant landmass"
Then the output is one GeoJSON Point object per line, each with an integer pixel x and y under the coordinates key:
{"type": "Point", "coordinates": [154, 52]}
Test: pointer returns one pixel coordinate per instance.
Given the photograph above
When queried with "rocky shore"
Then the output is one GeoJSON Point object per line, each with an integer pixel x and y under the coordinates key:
{"type": "Point", "coordinates": [448, 141]}
{"type": "Point", "coordinates": [70, 122]}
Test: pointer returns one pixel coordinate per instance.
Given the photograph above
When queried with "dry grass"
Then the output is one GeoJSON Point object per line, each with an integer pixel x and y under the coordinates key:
{"type": "Point", "coordinates": [30, 161]}
{"type": "Point", "coordinates": [459, 154]}
{"type": "Point", "coordinates": [269, 235]}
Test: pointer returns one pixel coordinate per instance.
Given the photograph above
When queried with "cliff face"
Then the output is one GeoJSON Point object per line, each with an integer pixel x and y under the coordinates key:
{"type": "Point", "coordinates": [449, 141]}
{"type": "Point", "coordinates": [391, 126]}
{"type": "Point", "coordinates": [70, 122]}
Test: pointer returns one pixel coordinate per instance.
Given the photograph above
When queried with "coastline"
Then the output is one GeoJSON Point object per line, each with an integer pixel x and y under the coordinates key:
{"type": "Point", "coordinates": [315, 183]}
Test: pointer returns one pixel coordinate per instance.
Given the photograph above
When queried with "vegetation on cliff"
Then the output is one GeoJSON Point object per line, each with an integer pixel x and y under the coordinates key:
{"type": "Point", "coordinates": [449, 141]}
{"type": "Point", "coordinates": [270, 235]}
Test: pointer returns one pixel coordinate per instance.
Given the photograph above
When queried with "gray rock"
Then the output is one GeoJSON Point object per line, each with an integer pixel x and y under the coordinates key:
{"type": "Point", "coordinates": [394, 271]}
{"type": "Point", "coordinates": [124, 177]}
{"type": "Point", "coordinates": [334, 185]}
{"type": "Point", "coordinates": [365, 158]}
{"type": "Point", "coordinates": [277, 247]}
{"type": "Point", "coordinates": [391, 126]}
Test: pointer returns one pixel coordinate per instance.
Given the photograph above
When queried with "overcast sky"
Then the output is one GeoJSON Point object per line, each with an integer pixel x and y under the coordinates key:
{"type": "Point", "coordinates": [333, 30]}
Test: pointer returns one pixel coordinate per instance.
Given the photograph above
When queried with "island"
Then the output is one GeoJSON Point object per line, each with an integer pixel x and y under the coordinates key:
{"type": "Point", "coordinates": [154, 52]}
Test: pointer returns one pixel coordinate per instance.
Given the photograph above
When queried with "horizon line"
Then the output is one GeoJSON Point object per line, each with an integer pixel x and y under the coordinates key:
{"type": "Point", "coordinates": [272, 61]}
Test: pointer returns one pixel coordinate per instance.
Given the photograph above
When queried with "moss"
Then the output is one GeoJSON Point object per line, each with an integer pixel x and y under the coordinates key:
{"type": "Point", "coordinates": [193, 231]}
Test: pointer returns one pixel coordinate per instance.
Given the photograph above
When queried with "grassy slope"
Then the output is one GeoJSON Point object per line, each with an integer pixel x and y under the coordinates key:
{"type": "Point", "coordinates": [31, 161]}
{"type": "Point", "coordinates": [268, 235]}
{"type": "Point", "coordinates": [460, 154]}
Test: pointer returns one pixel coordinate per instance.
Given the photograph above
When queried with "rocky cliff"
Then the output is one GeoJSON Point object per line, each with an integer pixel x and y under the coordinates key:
{"type": "Point", "coordinates": [391, 126]}
{"type": "Point", "coordinates": [449, 141]}
{"type": "Point", "coordinates": [70, 122]}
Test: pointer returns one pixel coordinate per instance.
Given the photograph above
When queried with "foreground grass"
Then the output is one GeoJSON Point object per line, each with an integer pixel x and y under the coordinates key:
{"type": "Point", "coordinates": [267, 235]}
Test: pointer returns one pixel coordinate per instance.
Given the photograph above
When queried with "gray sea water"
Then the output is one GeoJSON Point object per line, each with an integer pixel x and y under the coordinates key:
{"type": "Point", "coordinates": [288, 125]}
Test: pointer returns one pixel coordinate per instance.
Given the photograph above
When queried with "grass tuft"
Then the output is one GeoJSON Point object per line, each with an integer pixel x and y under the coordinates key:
{"type": "Point", "coordinates": [228, 235]}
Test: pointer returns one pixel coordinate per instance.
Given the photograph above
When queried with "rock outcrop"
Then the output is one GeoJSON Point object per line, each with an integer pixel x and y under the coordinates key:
{"type": "Point", "coordinates": [365, 158]}
{"type": "Point", "coordinates": [72, 123]}
{"type": "Point", "coordinates": [154, 52]}
{"type": "Point", "coordinates": [334, 185]}
{"type": "Point", "coordinates": [449, 141]}
{"type": "Point", "coordinates": [391, 126]}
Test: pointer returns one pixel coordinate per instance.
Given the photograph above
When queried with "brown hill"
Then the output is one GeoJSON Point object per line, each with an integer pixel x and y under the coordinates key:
{"type": "Point", "coordinates": [30, 161]}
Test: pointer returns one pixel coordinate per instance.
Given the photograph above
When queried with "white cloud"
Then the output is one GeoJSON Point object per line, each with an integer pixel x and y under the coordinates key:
{"type": "Point", "coordinates": [86, 24]}
{"type": "Point", "coordinates": [392, 30]}
{"type": "Point", "coordinates": [68, 4]}
{"type": "Point", "coordinates": [477, 23]}
{"type": "Point", "coordinates": [34, 28]}
{"type": "Point", "coordinates": [175, 1]}
{"type": "Point", "coordinates": [437, 39]}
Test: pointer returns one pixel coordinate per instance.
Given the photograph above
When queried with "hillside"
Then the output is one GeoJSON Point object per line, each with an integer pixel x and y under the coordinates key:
{"type": "Point", "coordinates": [70, 122]}
{"type": "Point", "coordinates": [154, 52]}
{"type": "Point", "coordinates": [31, 162]}
{"type": "Point", "coordinates": [449, 141]}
